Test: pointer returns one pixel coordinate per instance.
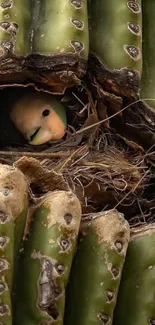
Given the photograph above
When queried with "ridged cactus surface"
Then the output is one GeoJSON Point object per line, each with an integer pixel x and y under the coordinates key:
{"type": "Point", "coordinates": [137, 290]}
{"type": "Point", "coordinates": [13, 212]}
{"type": "Point", "coordinates": [115, 44]}
{"type": "Point", "coordinates": [46, 260]}
{"type": "Point", "coordinates": [97, 268]}
{"type": "Point", "coordinates": [148, 75]}
{"type": "Point", "coordinates": [46, 41]}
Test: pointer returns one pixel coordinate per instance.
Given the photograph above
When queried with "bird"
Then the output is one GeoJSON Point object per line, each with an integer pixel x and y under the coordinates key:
{"type": "Point", "coordinates": [30, 116]}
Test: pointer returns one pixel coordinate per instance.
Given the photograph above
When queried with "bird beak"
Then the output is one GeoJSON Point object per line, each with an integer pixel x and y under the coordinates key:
{"type": "Point", "coordinates": [41, 136]}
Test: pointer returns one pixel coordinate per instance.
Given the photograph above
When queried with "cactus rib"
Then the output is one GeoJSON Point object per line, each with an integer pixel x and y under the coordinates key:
{"type": "Point", "coordinates": [135, 303]}
{"type": "Point", "coordinates": [96, 271]}
{"type": "Point", "coordinates": [44, 40]}
{"type": "Point", "coordinates": [15, 19]}
{"type": "Point", "coordinates": [115, 44]}
{"type": "Point", "coordinates": [148, 75]}
{"type": "Point", "coordinates": [13, 211]}
{"type": "Point", "coordinates": [46, 260]}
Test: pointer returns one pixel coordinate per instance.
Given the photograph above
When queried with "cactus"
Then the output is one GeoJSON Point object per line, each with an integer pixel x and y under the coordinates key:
{"type": "Point", "coordinates": [136, 296]}
{"type": "Point", "coordinates": [15, 19]}
{"type": "Point", "coordinates": [115, 44]}
{"type": "Point", "coordinates": [96, 271]}
{"type": "Point", "coordinates": [46, 260]}
{"type": "Point", "coordinates": [148, 81]}
{"type": "Point", "coordinates": [13, 211]}
{"type": "Point", "coordinates": [44, 40]}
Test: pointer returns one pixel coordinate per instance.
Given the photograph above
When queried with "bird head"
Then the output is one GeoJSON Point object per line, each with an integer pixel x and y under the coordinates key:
{"type": "Point", "coordinates": [39, 117]}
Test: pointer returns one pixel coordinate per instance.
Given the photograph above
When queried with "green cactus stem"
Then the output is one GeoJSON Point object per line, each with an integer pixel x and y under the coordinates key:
{"type": "Point", "coordinates": [97, 268]}
{"type": "Point", "coordinates": [115, 44]}
{"type": "Point", "coordinates": [137, 290]}
{"type": "Point", "coordinates": [60, 42]}
{"type": "Point", "coordinates": [46, 260]}
{"type": "Point", "coordinates": [13, 211]}
{"type": "Point", "coordinates": [148, 75]}
{"type": "Point", "coordinates": [15, 20]}
{"type": "Point", "coordinates": [44, 40]}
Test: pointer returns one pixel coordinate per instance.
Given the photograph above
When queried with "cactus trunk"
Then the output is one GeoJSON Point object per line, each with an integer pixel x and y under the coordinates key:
{"type": "Point", "coordinates": [148, 75]}
{"type": "Point", "coordinates": [46, 260]}
{"type": "Point", "coordinates": [44, 40]}
{"type": "Point", "coordinates": [96, 271]}
{"type": "Point", "coordinates": [115, 44]}
{"type": "Point", "coordinates": [13, 211]}
{"type": "Point", "coordinates": [136, 295]}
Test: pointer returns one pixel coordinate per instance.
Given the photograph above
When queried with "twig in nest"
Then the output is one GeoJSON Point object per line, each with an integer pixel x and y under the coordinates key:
{"type": "Point", "coordinates": [110, 117]}
{"type": "Point", "coordinates": [133, 189]}
{"type": "Point", "coordinates": [64, 164]}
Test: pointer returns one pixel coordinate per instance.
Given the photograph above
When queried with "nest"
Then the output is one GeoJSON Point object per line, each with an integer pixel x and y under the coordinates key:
{"type": "Point", "coordinates": [105, 168]}
{"type": "Point", "coordinates": [110, 173]}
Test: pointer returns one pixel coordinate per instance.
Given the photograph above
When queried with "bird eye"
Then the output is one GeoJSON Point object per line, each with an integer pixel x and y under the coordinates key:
{"type": "Point", "coordinates": [46, 112]}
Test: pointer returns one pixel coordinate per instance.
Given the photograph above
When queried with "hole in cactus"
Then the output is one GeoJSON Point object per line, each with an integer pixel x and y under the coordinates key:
{"type": "Point", "coordinates": [3, 217]}
{"type": "Point", "coordinates": [64, 243]}
{"type": "Point", "coordinates": [15, 25]}
{"type": "Point", "coordinates": [135, 7]}
{"type": "Point", "coordinates": [3, 264]}
{"type": "Point", "coordinates": [119, 245]}
{"type": "Point", "coordinates": [109, 295]}
{"type": "Point", "coordinates": [5, 25]}
{"type": "Point", "coordinates": [8, 45]}
{"type": "Point", "coordinates": [115, 271]}
{"type": "Point", "coordinates": [68, 218]}
{"type": "Point", "coordinates": [152, 321]}
{"type": "Point", "coordinates": [104, 318]}
{"type": "Point", "coordinates": [2, 287]}
{"type": "Point", "coordinates": [76, 3]}
{"type": "Point", "coordinates": [6, 5]}
{"type": "Point", "coordinates": [4, 309]}
{"type": "Point", "coordinates": [60, 268]}
{"type": "Point", "coordinates": [78, 23]}
{"type": "Point", "coordinates": [3, 241]}
{"type": "Point", "coordinates": [134, 28]}
{"type": "Point", "coordinates": [52, 311]}
{"type": "Point", "coordinates": [132, 51]}
{"type": "Point", "coordinates": [57, 291]}
{"type": "Point", "coordinates": [78, 46]}
{"type": "Point", "coordinates": [12, 138]}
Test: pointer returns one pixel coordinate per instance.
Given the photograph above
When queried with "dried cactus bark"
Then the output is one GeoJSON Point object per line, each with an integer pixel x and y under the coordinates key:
{"type": "Point", "coordinates": [115, 45]}
{"type": "Point", "coordinates": [97, 268]}
{"type": "Point", "coordinates": [44, 40]}
{"type": "Point", "coordinates": [46, 260]}
{"type": "Point", "coordinates": [13, 211]}
{"type": "Point", "coordinates": [135, 303]}
{"type": "Point", "coordinates": [148, 75]}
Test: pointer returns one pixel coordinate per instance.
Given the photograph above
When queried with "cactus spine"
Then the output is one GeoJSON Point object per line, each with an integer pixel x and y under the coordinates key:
{"type": "Point", "coordinates": [96, 271]}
